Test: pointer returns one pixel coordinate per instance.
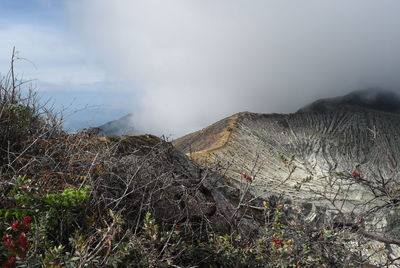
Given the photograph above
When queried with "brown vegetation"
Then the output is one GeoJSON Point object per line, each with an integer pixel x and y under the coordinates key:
{"type": "Point", "coordinates": [77, 200]}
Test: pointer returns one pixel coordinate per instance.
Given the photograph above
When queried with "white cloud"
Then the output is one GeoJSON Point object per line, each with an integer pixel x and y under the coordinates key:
{"type": "Point", "coordinates": [197, 61]}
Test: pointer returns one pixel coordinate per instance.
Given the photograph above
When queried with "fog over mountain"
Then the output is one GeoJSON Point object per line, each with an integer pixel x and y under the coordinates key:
{"type": "Point", "coordinates": [121, 126]}
{"type": "Point", "coordinates": [371, 98]}
{"type": "Point", "coordinates": [194, 62]}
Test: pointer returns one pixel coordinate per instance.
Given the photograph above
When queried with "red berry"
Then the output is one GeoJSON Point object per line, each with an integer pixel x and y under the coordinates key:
{"type": "Point", "coordinates": [356, 174]}
{"type": "Point", "coordinates": [361, 220]}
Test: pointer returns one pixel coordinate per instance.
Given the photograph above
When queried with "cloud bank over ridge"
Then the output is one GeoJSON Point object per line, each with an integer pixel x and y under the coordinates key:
{"type": "Point", "coordinates": [194, 62]}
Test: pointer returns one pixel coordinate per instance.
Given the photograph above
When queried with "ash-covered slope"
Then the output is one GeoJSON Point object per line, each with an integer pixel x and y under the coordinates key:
{"type": "Point", "coordinates": [328, 136]}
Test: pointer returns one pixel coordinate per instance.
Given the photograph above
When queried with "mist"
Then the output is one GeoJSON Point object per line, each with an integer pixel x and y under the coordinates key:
{"type": "Point", "coordinates": [192, 63]}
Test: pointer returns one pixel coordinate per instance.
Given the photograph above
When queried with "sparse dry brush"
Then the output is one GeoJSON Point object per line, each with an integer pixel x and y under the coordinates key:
{"type": "Point", "coordinates": [78, 200]}
{"type": "Point", "coordinates": [91, 198]}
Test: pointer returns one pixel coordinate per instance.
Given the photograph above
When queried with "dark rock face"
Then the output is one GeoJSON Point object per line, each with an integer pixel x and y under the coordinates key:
{"type": "Point", "coordinates": [179, 190]}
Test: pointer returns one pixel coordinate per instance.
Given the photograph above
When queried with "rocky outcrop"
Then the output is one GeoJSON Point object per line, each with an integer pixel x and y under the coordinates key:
{"type": "Point", "coordinates": [179, 190]}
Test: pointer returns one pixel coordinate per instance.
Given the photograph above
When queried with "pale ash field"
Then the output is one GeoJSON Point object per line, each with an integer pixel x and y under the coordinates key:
{"type": "Point", "coordinates": [329, 139]}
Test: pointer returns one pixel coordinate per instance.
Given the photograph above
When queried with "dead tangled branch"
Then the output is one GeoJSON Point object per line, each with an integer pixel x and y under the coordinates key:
{"type": "Point", "coordinates": [22, 118]}
{"type": "Point", "coordinates": [136, 200]}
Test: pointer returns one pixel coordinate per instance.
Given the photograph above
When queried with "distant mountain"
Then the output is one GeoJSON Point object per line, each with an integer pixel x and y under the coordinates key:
{"type": "Point", "coordinates": [371, 98]}
{"type": "Point", "coordinates": [122, 126]}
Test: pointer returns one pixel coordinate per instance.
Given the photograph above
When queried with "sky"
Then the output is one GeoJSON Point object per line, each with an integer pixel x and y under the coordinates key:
{"type": "Point", "coordinates": [181, 65]}
{"type": "Point", "coordinates": [62, 71]}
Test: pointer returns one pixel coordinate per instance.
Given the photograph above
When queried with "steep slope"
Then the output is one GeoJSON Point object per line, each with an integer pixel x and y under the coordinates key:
{"type": "Point", "coordinates": [337, 138]}
{"type": "Point", "coordinates": [345, 155]}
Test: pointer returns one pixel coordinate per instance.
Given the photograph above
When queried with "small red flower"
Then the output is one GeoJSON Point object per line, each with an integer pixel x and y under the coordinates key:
{"type": "Point", "coordinates": [7, 241]}
{"type": "Point", "coordinates": [247, 177]}
{"type": "Point", "coordinates": [27, 220]}
{"type": "Point", "coordinates": [277, 242]}
{"type": "Point", "coordinates": [24, 188]}
{"type": "Point", "coordinates": [16, 226]}
{"type": "Point", "coordinates": [356, 174]}
{"type": "Point", "coordinates": [11, 260]}
{"type": "Point", "coordinates": [5, 238]}
{"type": "Point", "coordinates": [9, 263]}
{"type": "Point", "coordinates": [361, 220]}
{"type": "Point", "coordinates": [177, 228]}
{"type": "Point", "coordinates": [23, 242]}
{"type": "Point", "coordinates": [226, 206]}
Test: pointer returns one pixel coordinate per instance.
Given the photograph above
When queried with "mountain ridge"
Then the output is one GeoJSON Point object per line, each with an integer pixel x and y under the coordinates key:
{"type": "Point", "coordinates": [324, 141]}
{"type": "Point", "coordinates": [370, 98]}
{"type": "Point", "coordinates": [121, 126]}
